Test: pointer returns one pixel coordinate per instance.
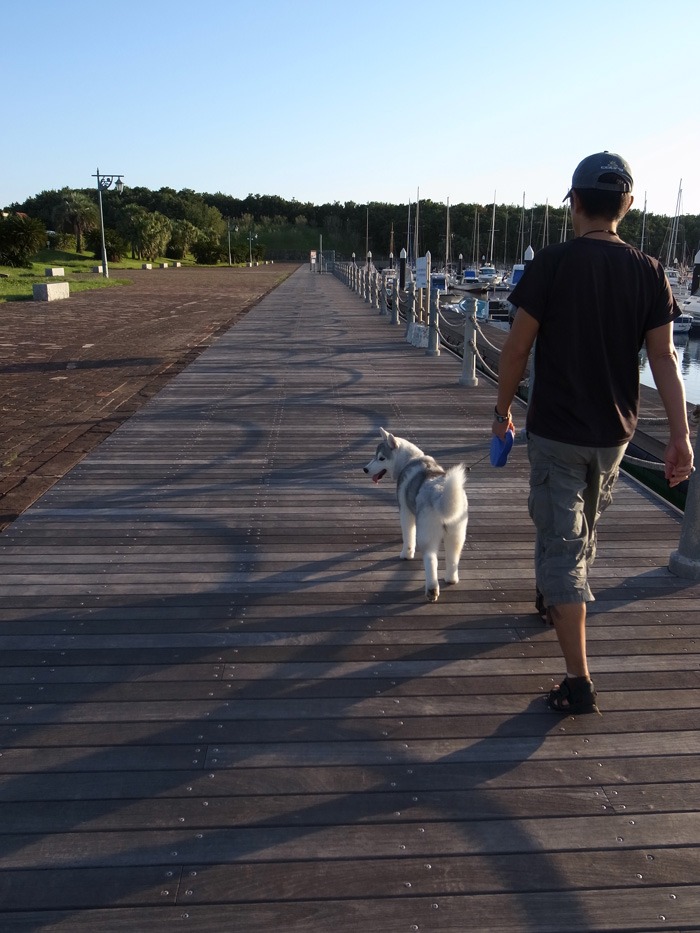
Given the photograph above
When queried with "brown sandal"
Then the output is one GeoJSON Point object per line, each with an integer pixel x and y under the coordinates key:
{"type": "Point", "coordinates": [574, 695]}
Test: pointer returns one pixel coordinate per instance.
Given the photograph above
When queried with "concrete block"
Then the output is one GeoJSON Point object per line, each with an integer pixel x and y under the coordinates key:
{"type": "Point", "coordinates": [146, 265]}
{"type": "Point", "coordinates": [54, 272]}
{"type": "Point", "coordinates": [177, 265]}
{"type": "Point", "coordinates": [50, 291]}
{"type": "Point", "coordinates": [164, 265]}
{"type": "Point", "coordinates": [417, 335]}
{"type": "Point", "coordinates": [98, 269]}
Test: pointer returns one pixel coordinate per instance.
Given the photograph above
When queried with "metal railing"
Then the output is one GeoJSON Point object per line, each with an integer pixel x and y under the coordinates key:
{"type": "Point", "coordinates": [431, 329]}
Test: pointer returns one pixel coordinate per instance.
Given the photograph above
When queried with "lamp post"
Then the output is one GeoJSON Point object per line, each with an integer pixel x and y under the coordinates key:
{"type": "Point", "coordinates": [104, 183]}
{"type": "Point", "coordinates": [235, 230]}
{"type": "Point", "coordinates": [251, 236]}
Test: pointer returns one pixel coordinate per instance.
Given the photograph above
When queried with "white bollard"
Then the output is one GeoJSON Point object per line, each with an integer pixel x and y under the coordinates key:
{"type": "Point", "coordinates": [468, 376]}
{"type": "Point", "coordinates": [50, 291]}
{"type": "Point", "coordinates": [685, 562]}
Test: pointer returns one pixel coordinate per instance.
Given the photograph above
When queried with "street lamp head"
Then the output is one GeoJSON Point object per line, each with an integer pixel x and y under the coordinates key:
{"type": "Point", "coordinates": [105, 182]}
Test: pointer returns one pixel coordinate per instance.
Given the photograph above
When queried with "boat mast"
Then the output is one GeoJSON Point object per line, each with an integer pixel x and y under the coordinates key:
{"type": "Point", "coordinates": [447, 238]}
{"type": "Point", "coordinates": [408, 234]}
{"type": "Point", "coordinates": [493, 229]}
{"type": "Point", "coordinates": [415, 239]}
{"type": "Point", "coordinates": [545, 225]}
{"type": "Point", "coordinates": [644, 223]}
{"type": "Point", "coordinates": [565, 223]}
{"type": "Point", "coordinates": [673, 239]}
{"type": "Point", "coordinates": [520, 249]}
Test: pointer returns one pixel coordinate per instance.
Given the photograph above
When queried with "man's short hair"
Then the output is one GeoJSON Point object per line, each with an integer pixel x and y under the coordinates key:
{"type": "Point", "coordinates": [597, 202]}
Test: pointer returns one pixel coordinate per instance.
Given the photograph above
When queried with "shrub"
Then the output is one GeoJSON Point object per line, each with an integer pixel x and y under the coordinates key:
{"type": "Point", "coordinates": [115, 244]}
{"type": "Point", "coordinates": [21, 237]}
{"type": "Point", "coordinates": [59, 240]}
{"type": "Point", "coordinates": [207, 251]}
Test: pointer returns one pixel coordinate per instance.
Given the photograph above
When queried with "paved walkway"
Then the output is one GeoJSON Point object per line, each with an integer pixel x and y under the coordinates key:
{"type": "Point", "coordinates": [227, 706]}
{"type": "Point", "coordinates": [72, 371]}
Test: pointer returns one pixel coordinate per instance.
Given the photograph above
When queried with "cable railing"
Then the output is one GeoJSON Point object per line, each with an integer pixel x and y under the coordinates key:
{"type": "Point", "coordinates": [432, 329]}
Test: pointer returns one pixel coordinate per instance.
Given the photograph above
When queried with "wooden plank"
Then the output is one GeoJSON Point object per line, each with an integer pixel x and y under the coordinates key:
{"type": "Point", "coordinates": [545, 913]}
{"type": "Point", "coordinates": [179, 777]}
{"type": "Point", "coordinates": [203, 845]}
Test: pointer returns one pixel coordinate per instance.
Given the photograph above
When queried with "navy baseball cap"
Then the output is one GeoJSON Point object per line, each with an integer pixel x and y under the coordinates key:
{"type": "Point", "coordinates": [593, 168]}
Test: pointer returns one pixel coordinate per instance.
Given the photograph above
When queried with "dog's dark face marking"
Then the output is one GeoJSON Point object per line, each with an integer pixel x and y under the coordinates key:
{"type": "Point", "coordinates": [382, 455]}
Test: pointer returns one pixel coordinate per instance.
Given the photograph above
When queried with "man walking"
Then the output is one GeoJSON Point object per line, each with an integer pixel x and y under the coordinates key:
{"type": "Point", "coordinates": [588, 305]}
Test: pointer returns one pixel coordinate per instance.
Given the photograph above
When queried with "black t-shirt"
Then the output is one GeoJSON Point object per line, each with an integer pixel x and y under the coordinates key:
{"type": "Point", "coordinates": [594, 301]}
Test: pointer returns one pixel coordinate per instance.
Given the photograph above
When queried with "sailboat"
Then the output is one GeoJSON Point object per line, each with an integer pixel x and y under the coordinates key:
{"type": "Point", "coordinates": [671, 263]}
{"type": "Point", "coordinates": [470, 281]}
{"type": "Point", "coordinates": [441, 282]}
{"type": "Point", "coordinates": [519, 267]}
{"type": "Point", "coordinates": [487, 273]}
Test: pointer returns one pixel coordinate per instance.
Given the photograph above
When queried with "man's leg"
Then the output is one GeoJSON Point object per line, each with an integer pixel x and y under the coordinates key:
{"type": "Point", "coordinates": [569, 621]}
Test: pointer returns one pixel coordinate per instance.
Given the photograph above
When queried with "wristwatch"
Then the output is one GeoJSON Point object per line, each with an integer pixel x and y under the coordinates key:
{"type": "Point", "coordinates": [501, 419]}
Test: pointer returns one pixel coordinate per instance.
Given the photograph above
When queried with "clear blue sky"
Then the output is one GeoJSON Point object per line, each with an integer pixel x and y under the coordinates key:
{"type": "Point", "coordinates": [360, 101]}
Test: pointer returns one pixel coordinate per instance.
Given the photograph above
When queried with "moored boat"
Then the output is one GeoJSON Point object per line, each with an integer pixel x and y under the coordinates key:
{"type": "Point", "coordinates": [683, 323]}
{"type": "Point", "coordinates": [690, 306]}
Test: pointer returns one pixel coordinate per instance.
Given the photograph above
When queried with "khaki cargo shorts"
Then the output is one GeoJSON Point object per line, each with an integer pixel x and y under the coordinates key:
{"type": "Point", "coordinates": [570, 488]}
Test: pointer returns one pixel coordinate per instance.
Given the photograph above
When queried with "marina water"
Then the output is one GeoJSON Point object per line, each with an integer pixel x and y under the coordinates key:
{"type": "Point", "coordinates": [688, 349]}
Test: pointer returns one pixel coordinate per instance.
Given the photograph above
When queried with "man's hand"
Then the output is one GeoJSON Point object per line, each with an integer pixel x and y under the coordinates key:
{"type": "Point", "coordinates": [678, 460]}
{"type": "Point", "coordinates": [500, 428]}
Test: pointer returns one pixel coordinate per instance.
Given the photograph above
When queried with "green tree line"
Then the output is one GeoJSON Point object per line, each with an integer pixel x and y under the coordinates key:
{"type": "Point", "coordinates": [175, 223]}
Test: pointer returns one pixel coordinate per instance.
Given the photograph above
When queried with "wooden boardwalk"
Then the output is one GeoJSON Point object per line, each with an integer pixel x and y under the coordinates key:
{"type": "Point", "coordinates": [226, 706]}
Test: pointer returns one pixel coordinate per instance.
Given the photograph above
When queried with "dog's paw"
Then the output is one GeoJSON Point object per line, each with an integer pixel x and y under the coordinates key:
{"type": "Point", "coordinates": [452, 580]}
{"type": "Point", "coordinates": [407, 555]}
{"type": "Point", "coordinates": [432, 595]}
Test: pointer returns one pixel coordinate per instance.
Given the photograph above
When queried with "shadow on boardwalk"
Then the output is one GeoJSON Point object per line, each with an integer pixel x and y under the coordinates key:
{"type": "Point", "coordinates": [226, 703]}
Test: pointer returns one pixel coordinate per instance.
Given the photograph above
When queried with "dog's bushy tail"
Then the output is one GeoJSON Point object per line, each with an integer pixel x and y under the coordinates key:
{"type": "Point", "coordinates": [453, 504]}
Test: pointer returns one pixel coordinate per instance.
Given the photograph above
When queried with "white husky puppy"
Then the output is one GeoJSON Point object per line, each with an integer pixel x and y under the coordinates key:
{"type": "Point", "coordinates": [432, 504]}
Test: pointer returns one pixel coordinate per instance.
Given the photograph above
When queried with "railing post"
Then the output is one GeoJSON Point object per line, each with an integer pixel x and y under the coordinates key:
{"type": "Point", "coordinates": [468, 376]}
{"type": "Point", "coordinates": [367, 284]}
{"type": "Point", "coordinates": [685, 562]}
{"type": "Point", "coordinates": [395, 319]}
{"type": "Point", "coordinates": [383, 311]}
{"type": "Point", "coordinates": [411, 307]}
{"type": "Point", "coordinates": [433, 324]}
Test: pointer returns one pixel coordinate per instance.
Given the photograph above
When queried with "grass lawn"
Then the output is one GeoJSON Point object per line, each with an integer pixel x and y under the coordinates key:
{"type": "Point", "coordinates": [16, 284]}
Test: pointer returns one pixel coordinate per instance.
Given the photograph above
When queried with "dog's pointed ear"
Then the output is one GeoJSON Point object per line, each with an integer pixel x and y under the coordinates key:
{"type": "Point", "coordinates": [389, 438]}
